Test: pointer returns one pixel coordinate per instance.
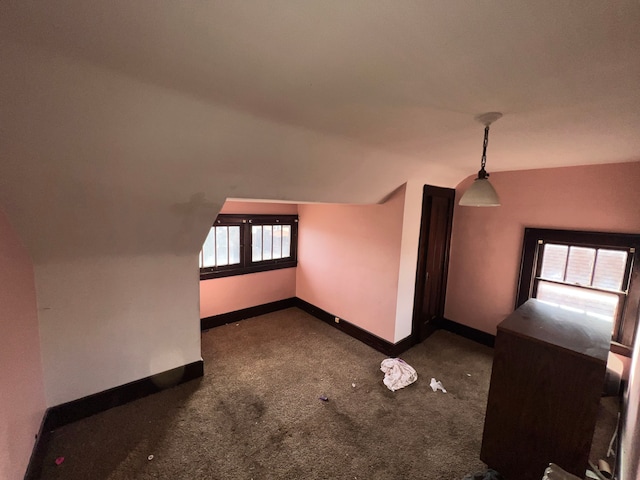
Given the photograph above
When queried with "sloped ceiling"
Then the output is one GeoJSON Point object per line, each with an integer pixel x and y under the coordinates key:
{"type": "Point", "coordinates": [125, 124]}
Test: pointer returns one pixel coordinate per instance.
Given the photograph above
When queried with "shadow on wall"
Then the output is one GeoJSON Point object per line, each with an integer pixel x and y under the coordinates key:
{"type": "Point", "coordinates": [196, 216]}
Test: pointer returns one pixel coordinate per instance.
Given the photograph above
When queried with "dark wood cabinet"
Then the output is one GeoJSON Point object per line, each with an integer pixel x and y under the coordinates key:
{"type": "Point", "coordinates": [548, 371]}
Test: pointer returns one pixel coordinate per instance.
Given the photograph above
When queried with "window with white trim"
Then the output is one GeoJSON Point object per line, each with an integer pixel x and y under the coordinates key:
{"type": "Point", "coordinates": [240, 244]}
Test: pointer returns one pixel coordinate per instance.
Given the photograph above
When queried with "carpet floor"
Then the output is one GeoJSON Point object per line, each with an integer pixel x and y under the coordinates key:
{"type": "Point", "coordinates": [256, 413]}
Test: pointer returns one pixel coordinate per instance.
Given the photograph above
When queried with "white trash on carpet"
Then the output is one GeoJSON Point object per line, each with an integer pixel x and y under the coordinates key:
{"type": "Point", "coordinates": [397, 373]}
{"type": "Point", "coordinates": [436, 385]}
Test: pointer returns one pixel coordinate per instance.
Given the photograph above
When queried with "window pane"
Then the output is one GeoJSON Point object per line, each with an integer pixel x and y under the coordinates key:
{"type": "Point", "coordinates": [580, 265]}
{"type": "Point", "coordinates": [209, 249]}
{"type": "Point", "coordinates": [277, 241]}
{"type": "Point", "coordinates": [286, 241]}
{"type": "Point", "coordinates": [256, 243]}
{"type": "Point", "coordinates": [237, 244]}
{"type": "Point", "coordinates": [234, 245]}
{"type": "Point", "coordinates": [597, 304]}
{"type": "Point", "coordinates": [610, 267]}
{"type": "Point", "coordinates": [266, 242]}
{"type": "Point", "coordinates": [554, 261]}
{"type": "Point", "coordinates": [222, 245]}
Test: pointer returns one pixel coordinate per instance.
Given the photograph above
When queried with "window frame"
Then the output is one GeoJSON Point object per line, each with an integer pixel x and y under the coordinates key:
{"type": "Point", "coordinates": [531, 261]}
{"type": "Point", "coordinates": [247, 265]}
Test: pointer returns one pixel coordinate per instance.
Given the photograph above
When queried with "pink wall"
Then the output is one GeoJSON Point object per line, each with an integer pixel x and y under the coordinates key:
{"type": "Point", "coordinates": [486, 247]}
{"type": "Point", "coordinates": [486, 242]}
{"type": "Point", "coordinates": [227, 294]}
{"type": "Point", "coordinates": [22, 401]}
{"type": "Point", "coordinates": [349, 259]}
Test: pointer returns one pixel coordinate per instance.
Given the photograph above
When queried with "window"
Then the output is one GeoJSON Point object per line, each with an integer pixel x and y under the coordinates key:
{"type": "Point", "coordinates": [239, 244]}
{"type": "Point", "coordinates": [594, 273]}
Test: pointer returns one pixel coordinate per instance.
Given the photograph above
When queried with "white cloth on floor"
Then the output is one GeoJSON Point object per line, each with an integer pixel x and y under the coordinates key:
{"type": "Point", "coordinates": [397, 373]}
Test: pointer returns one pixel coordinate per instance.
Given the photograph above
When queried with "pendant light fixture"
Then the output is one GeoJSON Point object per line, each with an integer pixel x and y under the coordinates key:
{"type": "Point", "coordinates": [481, 193]}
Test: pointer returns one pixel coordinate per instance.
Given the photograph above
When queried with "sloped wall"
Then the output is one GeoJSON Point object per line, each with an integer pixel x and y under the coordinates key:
{"type": "Point", "coordinates": [22, 401]}
{"type": "Point", "coordinates": [111, 182]}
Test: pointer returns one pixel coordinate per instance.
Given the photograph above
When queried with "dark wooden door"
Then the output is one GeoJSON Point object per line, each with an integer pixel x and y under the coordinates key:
{"type": "Point", "coordinates": [433, 259]}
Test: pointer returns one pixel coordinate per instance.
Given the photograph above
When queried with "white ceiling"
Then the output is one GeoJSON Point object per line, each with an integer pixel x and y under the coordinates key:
{"type": "Point", "coordinates": [127, 108]}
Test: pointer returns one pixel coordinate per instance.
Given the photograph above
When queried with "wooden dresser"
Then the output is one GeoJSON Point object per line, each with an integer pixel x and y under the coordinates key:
{"type": "Point", "coordinates": [548, 372]}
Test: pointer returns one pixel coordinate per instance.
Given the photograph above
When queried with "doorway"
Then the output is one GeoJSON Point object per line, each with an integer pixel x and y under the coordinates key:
{"type": "Point", "coordinates": [433, 260]}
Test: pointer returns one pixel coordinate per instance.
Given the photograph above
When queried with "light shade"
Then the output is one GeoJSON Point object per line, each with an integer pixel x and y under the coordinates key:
{"type": "Point", "coordinates": [480, 194]}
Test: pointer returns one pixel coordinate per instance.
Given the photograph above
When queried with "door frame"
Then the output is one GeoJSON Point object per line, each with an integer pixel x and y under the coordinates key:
{"type": "Point", "coordinates": [421, 267]}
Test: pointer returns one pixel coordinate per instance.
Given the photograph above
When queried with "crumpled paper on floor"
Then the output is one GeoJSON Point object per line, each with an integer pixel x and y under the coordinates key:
{"type": "Point", "coordinates": [397, 373]}
{"type": "Point", "coordinates": [436, 385]}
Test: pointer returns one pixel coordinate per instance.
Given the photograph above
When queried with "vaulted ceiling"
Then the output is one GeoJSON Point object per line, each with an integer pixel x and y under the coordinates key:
{"type": "Point", "coordinates": [116, 113]}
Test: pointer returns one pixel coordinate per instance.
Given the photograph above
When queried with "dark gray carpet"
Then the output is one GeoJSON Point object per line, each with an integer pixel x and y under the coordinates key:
{"type": "Point", "coordinates": [256, 413]}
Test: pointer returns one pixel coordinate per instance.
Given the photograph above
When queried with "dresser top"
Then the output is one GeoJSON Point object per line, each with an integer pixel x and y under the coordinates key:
{"type": "Point", "coordinates": [576, 332]}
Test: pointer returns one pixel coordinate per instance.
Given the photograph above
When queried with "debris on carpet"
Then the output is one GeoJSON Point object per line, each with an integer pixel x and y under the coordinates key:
{"type": "Point", "coordinates": [554, 472]}
{"type": "Point", "coordinates": [436, 385]}
{"type": "Point", "coordinates": [485, 475]}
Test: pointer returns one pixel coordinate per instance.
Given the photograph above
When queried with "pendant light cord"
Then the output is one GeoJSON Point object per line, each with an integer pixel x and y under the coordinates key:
{"type": "Point", "coordinates": [483, 173]}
